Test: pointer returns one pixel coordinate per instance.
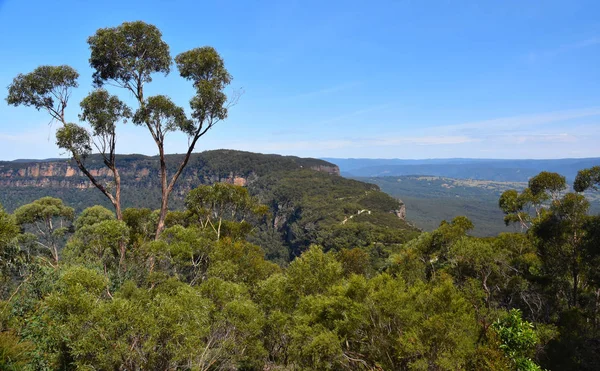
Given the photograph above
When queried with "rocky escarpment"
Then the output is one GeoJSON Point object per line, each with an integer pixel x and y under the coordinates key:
{"type": "Point", "coordinates": [138, 171]}
{"type": "Point", "coordinates": [64, 175]}
{"type": "Point", "coordinates": [401, 212]}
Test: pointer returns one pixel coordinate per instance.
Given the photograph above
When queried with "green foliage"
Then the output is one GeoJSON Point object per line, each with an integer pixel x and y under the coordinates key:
{"type": "Point", "coordinates": [515, 207]}
{"type": "Point", "coordinates": [98, 242]}
{"type": "Point", "coordinates": [47, 88]}
{"type": "Point", "coordinates": [141, 223]}
{"type": "Point", "coordinates": [101, 110]}
{"type": "Point", "coordinates": [313, 272]}
{"type": "Point", "coordinates": [128, 54]}
{"type": "Point", "coordinates": [43, 210]}
{"type": "Point", "coordinates": [74, 139]}
{"type": "Point", "coordinates": [587, 178]}
{"type": "Point", "coordinates": [561, 272]}
{"type": "Point", "coordinates": [206, 69]}
{"type": "Point", "coordinates": [309, 207]}
{"type": "Point", "coordinates": [8, 228]}
{"type": "Point", "coordinates": [517, 338]}
{"type": "Point", "coordinates": [163, 115]}
{"type": "Point", "coordinates": [49, 220]}
{"type": "Point", "coordinates": [14, 353]}
{"type": "Point", "coordinates": [93, 215]}
{"type": "Point", "coordinates": [354, 261]}
{"type": "Point", "coordinates": [552, 183]}
{"type": "Point", "coordinates": [11, 256]}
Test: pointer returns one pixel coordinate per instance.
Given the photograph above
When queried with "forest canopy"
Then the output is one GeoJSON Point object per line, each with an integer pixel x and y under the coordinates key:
{"type": "Point", "coordinates": [204, 295]}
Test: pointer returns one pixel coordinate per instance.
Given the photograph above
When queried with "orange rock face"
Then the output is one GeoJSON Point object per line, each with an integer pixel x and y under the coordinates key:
{"type": "Point", "coordinates": [239, 181]}
{"type": "Point", "coordinates": [70, 171]}
{"type": "Point", "coordinates": [33, 171]}
{"type": "Point", "coordinates": [47, 170]}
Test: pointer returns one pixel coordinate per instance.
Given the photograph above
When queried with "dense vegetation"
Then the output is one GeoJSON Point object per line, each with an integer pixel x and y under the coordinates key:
{"type": "Point", "coordinates": [202, 296]}
{"type": "Point", "coordinates": [307, 206]}
{"type": "Point", "coordinates": [203, 168]}
{"type": "Point", "coordinates": [431, 199]}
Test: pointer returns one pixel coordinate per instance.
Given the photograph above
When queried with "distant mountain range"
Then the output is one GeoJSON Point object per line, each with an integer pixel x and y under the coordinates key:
{"type": "Point", "coordinates": [463, 168]}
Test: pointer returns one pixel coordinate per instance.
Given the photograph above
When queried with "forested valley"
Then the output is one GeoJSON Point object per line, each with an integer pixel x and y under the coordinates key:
{"type": "Point", "coordinates": [220, 289]}
{"type": "Point", "coordinates": [296, 269]}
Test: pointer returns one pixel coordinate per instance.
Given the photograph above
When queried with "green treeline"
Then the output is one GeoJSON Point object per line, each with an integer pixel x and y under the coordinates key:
{"type": "Point", "coordinates": [141, 174]}
{"type": "Point", "coordinates": [306, 206]}
{"type": "Point", "coordinates": [88, 291]}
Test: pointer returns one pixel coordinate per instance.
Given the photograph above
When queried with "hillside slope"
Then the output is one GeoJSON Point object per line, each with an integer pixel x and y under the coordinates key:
{"type": "Point", "coordinates": [309, 202]}
{"type": "Point", "coordinates": [22, 182]}
{"type": "Point", "coordinates": [431, 199]}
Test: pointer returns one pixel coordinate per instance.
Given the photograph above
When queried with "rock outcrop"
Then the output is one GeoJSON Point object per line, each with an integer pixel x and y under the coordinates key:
{"type": "Point", "coordinates": [401, 212]}
{"type": "Point", "coordinates": [239, 168]}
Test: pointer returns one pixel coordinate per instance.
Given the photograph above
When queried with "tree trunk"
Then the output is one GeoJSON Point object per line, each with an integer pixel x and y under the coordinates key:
{"type": "Point", "coordinates": [164, 205]}
{"type": "Point", "coordinates": [117, 202]}
{"type": "Point", "coordinates": [163, 215]}
{"type": "Point", "coordinates": [117, 205]}
{"type": "Point", "coordinates": [167, 189]}
{"type": "Point", "coordinates": [575, 286]}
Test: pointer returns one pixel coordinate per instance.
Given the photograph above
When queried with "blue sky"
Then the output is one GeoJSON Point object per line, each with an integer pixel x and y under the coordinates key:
{"type": "Point", "coordinates": [378, 79]}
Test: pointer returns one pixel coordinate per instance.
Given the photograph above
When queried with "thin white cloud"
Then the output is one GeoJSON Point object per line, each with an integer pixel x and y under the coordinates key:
{"type": "Point", "coordinates": [303, 145]}
{"type": "Point", "coordinates": [510, 132]}
{"type": "Point", "coordinates": [36, 143]}
{"type": "Point", "coordinates": [42, 134]}
{"type": "Point", "coordinates": [521, 121]}
{"type": "Point", "coordinates": [539, 138]}
{"type": "Point", "coordinates": [534, 56]}
{"type": "Point", "coordinates": [354, 114]}
{"type": "Point", "coordinates": [325, 91]}
{"type": "Point", "coordinates": [585, 43]}
{"type": "Point", "coordinates": [333, 144]}
{"type": "Point", "coordinates": [423, 140]}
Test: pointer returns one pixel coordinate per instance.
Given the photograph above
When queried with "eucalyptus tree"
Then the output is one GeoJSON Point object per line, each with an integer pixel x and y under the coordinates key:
{"type": "Point", "coordinates": [548, 184]}
{"type": "Point", "coordinates": [9, 231]}
{"type": "Point", "coordinates": [127, 56]}
{"type": "Point", "coordinates": [587, 178]}
{"type": "Point", "coordinates": [561, 235]}
{"type": "Point", "coordinates": [523, 208]}
{"type": "Point", "coordinates": [50, 220]}
{"type": "Point", "coordinates": [211, 205]}
{"type": "Point", "coordinates": [558, 227]}
{"type": "Point", "coordinates": [102, 111]}
{"type": "Point", "coordinates": [48, 88]}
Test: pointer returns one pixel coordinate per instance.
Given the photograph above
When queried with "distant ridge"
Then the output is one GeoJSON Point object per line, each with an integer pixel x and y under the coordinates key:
{"type": "Point", "coordinates": [463, 168]}
{"type": "Point", "coordinates": [32, 179]}
{"type": "Point", "coordinates": [29, 160]}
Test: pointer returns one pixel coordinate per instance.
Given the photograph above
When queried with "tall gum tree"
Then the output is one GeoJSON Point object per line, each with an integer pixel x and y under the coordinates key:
{"type": "Point", "coordinates": [128, 55]}
{"type": "Point", "coordinates": [48, 88]}
{"type": "Point", "coordinates": [587, 179]}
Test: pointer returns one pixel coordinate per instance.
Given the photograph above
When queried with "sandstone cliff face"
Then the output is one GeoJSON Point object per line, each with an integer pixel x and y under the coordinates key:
{"type": "Point", "coordinates": [135, 171]}
{"type": "Point", "coordinates": [59, 176]}
{"type": "Point", "coordinates": [63, 169]}
{"type": "Point", "coordinates": [401, 212]}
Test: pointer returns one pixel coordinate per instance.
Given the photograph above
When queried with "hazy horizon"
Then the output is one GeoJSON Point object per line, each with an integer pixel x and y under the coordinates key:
{"type": "Point", "coordinates": [326, 158]}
